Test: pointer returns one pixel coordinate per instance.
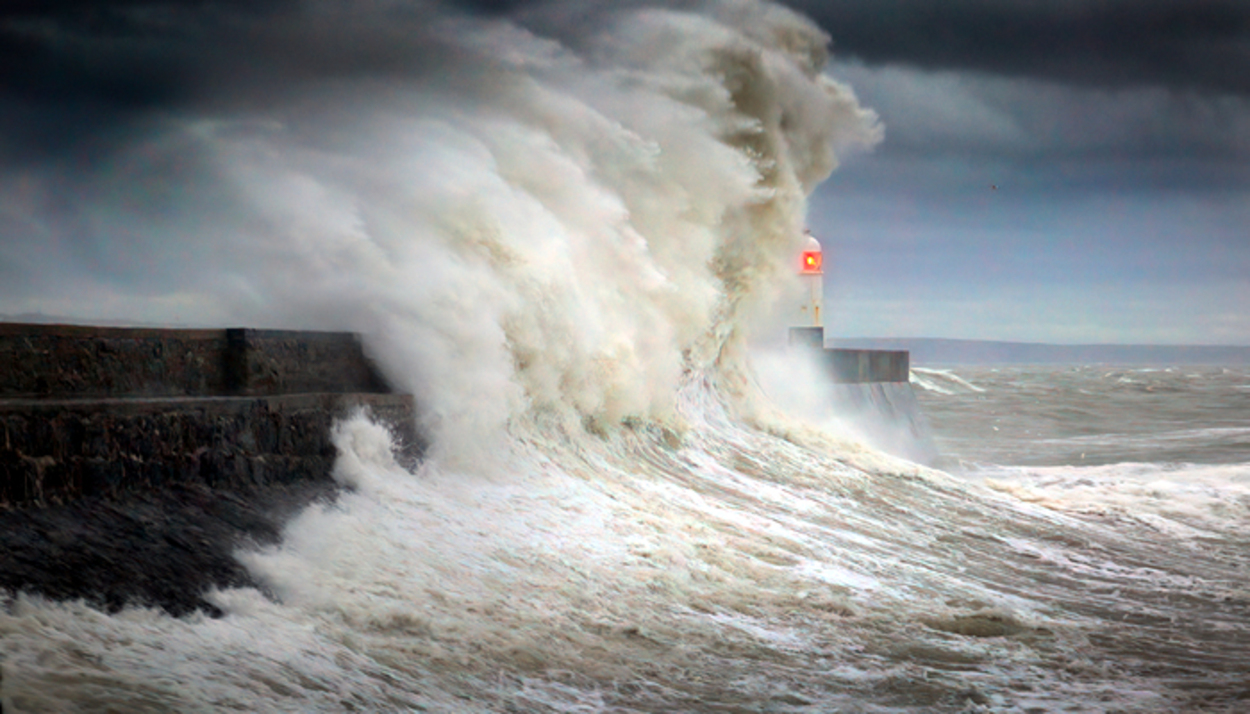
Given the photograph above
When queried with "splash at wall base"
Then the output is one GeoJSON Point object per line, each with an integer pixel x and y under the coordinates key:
{"type": "Point", "coordinates": [872, 390]}
{"type": "Point", "coordinates": [134, 462]}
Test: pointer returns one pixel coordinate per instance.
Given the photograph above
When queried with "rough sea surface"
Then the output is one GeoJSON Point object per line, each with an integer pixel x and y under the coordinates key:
{"type": "Point", "coordinates": [1089, 415]}
{"type": "Point", "coordinates": [725, 567]}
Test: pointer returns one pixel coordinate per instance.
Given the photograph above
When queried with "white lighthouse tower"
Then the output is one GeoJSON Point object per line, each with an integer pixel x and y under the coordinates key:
{"type": "Point", "coordinates": [811, 332]}
{"type": "Point", "coordinates": [812, 272]}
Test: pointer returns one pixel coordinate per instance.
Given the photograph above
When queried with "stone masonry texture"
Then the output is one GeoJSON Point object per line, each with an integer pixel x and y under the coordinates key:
{"type": "Point", "coordinates": [134, 463]}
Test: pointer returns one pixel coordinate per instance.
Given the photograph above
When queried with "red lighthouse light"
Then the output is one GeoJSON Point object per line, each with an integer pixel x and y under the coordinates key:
{"type": "Point", "coordinates": [812, 261]}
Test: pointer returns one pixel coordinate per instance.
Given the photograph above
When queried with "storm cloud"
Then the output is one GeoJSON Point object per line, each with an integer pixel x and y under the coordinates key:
{"type": "Point", "coordinates": [1199, 45]}
{"type": "Point", "coordinates": [1051, 170]}
{"type": "Point", "coordinates": [84, 77]}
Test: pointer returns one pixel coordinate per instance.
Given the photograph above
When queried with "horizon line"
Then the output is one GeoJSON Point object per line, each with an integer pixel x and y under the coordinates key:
{"type": "Point", "coordinates": [1041, 344]}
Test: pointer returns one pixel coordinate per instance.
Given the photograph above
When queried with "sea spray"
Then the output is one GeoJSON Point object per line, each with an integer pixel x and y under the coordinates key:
{"type": "Point", "coordinates": [515, 223]}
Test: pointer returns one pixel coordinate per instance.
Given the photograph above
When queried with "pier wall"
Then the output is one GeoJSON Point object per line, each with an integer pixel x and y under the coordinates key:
{"type": "Point", "coordinates": [89, 411]}
{"type": "Point", "coordinates": [853, 366]}
{"type": "Point", "coordinates": [73, 361]}
{"type": "Point", "coordinates": [872, 388]}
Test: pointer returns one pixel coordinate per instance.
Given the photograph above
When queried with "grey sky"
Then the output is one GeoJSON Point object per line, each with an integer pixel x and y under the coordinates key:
{"type": "Point", "coordinates": [1053, 170]}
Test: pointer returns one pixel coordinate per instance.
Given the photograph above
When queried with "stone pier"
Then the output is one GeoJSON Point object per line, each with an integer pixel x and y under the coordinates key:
{"type": "Point", "coordinates": [92, 411]}
{"type": "Point", "coordinates": [873, 389]}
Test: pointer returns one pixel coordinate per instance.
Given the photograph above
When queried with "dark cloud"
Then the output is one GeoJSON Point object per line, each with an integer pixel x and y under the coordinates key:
{"type": "Point", "coordinates": [120, 52]}
{"type": "Point", "coordinates": [78, 78]}
{"type": "Point", "coordinates": [972, 114]}
{"type": "Point", "coordinates": [1200, 44]}
{"type": "Point", "coordinates": [137, 53]}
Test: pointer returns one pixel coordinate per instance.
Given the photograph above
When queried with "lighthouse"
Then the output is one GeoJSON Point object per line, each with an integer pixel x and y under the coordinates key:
{"type": "Point", "coordinates": [810, 332]}
{"type": "Point", "coordinates": [811, 270]}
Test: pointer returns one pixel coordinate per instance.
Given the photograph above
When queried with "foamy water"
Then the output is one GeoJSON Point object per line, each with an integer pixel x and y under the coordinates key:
{"type": "Point", "coordinates": [722, 567]}
{"type": "Point", "coordinates": [562, 243]}
{"type": "Point", "coordinates": [1168, 447]}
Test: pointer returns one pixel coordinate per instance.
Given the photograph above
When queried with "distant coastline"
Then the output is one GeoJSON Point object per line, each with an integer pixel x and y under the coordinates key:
{"type": "Point", "coordinates": [934, 351]}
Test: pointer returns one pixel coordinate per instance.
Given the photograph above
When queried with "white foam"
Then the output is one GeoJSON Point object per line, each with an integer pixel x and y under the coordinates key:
{"type": "Point", "coordinates": [1185, 500]}
{"type": "Point", "coordinates": [942, 381]}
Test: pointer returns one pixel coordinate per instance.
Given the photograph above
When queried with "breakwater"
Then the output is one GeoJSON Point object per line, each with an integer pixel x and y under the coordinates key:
{"type": "Point", "coordinates": [852, 366]}
{"type": "Point", "coordinates": [134, 462]}
{"type": "Point", "coordinates": [75, 361]}
{"type": "Point", "coordinates": [872, 389]}
{"type": "Point", "coordinates": [88, 411]}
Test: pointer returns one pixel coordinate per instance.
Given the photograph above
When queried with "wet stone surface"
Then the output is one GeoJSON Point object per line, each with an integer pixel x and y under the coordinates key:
{"type": "Point", "coordinates": [147, 502]}
{"type": "Point", "coordinates": [165, 548]}
{"type": "Point", "coordinates": [55, 452]}
{"type": "Point", "coordinates": [135, 462]}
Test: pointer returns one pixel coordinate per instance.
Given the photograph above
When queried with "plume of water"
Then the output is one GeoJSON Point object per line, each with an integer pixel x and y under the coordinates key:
{"type": "Point", "coordinates": [517, 223]}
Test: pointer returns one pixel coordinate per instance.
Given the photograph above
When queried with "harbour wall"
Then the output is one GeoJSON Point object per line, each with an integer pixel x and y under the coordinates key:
{"type": "Point", "coordinates": [853, 366]}
{"type": "Point", "coordinates": [73, 361]}
{"type": "Point", "coordinates": [102, 411]}
{"type": "Point", "coordinates": [872, 390]}
{"type": "Point", "coordinates": [92, 411]}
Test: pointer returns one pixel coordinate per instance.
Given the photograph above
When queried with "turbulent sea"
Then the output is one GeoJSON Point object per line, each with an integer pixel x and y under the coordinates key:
{"type": "Point", "coordinates": [564, 240]}
{"type": "Point", "coordinates": [734, 567]}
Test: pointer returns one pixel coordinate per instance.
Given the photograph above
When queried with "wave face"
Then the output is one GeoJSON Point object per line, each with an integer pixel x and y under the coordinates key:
{"type": "Point", "coordinates": [560, 239]}
{"type": "Point", "coordinates": [520, 222]}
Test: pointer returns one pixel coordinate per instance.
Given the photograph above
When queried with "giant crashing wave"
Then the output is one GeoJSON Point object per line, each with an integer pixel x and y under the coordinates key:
{"type": "Point", "coordinates": [559, 235]}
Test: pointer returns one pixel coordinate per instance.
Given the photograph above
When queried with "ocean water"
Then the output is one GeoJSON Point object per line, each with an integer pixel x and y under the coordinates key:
{"type": "Point", "coordinates": [753, 565]}
{"type": "Point", "coordinates": [1095, 415]}
{"type": "Point", "coordinates": [565, 244]}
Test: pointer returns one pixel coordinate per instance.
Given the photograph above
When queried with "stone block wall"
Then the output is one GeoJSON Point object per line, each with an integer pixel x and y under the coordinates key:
{"type": "Point", "coordinates": [861, 366]}
{"type": "Point", "coordinates": [68, 361]}
{"type": "Point", "coordinates": [56, 451]}
{"type": "Point", "coordinates": [91, 411]}
{"type": "Point", "coordinates": [38, 361]}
